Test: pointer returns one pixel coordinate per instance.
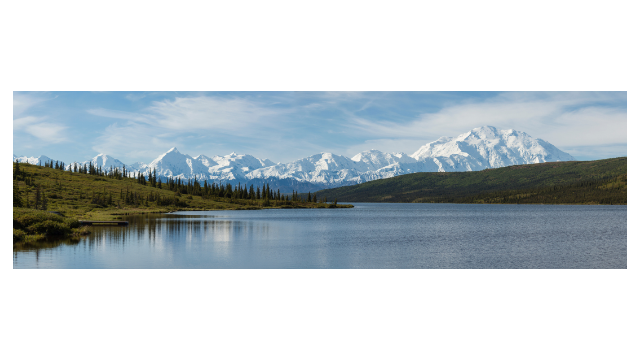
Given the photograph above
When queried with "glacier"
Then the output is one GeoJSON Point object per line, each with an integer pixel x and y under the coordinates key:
{"type": "Point", "coordinates": [480, 148]}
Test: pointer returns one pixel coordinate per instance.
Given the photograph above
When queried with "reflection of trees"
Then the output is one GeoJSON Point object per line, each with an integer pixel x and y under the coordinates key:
{"type": "Point", "coordinates": [161, 229]}
{"type": "Point", "coordinates": [40, 245]}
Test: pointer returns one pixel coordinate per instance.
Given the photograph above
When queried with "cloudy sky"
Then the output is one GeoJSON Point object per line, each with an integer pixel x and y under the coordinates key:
{"type": "Point", "coordinates": [285, 126]}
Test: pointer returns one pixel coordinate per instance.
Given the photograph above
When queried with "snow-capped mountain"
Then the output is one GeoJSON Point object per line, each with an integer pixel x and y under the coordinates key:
{"type": "Point", "coordinates": [478, 149]}
{"type": "Point", "coordinates": [234, 166]}
{"type": "Point", "coordinates": [137, 167]}
{"type": "Point", "coordinates": [226, 168]}
{"type": "Point", "coordinates": [175, 164]}
{"type": "Point", "coordinates": [481, 148]}
{"type": "Point", "coordinates": [488, 147]}
{"type": "Point", "coordinates": [104, 161]}
{"type": "Point", "coordinates": [42, 159]}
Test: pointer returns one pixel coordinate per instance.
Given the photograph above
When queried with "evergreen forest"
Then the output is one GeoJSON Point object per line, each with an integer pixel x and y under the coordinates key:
{"type": "Point", "coordinates": [48, 201]}
{"type": "Point", "coordinates": [599, 182]}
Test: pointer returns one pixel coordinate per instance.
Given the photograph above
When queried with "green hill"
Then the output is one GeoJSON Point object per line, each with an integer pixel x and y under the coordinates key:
{"type": "Point", "coordinates": [47, 202]}
{"type": "Point", "coordinates": [572, 182]}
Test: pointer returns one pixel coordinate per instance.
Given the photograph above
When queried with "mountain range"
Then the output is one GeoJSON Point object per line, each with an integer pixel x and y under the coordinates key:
{"type": "Point", "coordinates": [478, 149]}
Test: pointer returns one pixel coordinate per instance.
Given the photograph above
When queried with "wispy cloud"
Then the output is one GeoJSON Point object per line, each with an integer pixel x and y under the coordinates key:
{"type": "Point", "coordinates": [43, 128]}
{"type": "Point", "coordinates": [22, 102]}
{"type": "Point", "coordinates": [285, 126]}
{"type": "Point", "coordinates": [48, 132]}
{"type": "Point", "coordinates": [186, 114]}
{"type": "Point", "coordinates": [135, 96]}
{"type": "Point", "coordinates": [133, 141]}
{"type": "Point", "coordinates": [123, 115]}
{"type": "Point", "coordinates": [23, 122]}
{"type": "Point", "coordinates": [560, 118]}
{"type": "Point", "coordinates": [207, 112]}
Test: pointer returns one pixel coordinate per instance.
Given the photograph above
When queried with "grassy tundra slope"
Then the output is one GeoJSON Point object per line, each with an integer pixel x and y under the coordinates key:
{"type": "Point", "coordinates": [38, 191]}
{"type": "Point", "coordinates": [571, 182]}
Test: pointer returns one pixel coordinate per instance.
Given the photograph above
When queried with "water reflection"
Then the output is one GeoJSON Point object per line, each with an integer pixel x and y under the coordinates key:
{"type": "Point", "coordinates": [369, 236]}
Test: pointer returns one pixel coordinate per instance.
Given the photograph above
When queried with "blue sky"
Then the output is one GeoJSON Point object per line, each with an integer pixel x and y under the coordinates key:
{"type": "Point", "coordinates": [285, 126]}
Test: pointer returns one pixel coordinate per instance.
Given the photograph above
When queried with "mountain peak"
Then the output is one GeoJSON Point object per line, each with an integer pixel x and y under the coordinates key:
{"type": "Point", "coordinates": [477, 149]}
{"type": "Point", "coordinates": [487, 146]}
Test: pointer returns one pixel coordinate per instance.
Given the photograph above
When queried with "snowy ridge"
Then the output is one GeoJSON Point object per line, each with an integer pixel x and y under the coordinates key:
{"type": "Point", "coordinates": [478, 149]}
{"type": "Point", "coordinates": [42, 159]}
{"type": "Point", "coordinates": [103, 161]}
{"type": "Point", "coordinates": [488, 147]}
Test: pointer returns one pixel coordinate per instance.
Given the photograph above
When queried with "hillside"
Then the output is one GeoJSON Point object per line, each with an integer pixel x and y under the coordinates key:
{"type": "Point", "coordinates": [38, 191]}
{"type": "Point", "coordinates": [571, 182]}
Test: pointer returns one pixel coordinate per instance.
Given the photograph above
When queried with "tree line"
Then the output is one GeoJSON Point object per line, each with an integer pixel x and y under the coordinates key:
{"type": "Point", "coordinates": [180, 186]}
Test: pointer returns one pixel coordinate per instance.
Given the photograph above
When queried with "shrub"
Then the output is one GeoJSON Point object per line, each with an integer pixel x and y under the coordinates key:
{"type": "Point", "coordinates": [34, 225]}
{"type": "Point", "coordinates": [18, 235]}
{"type": "Point", "coordinates": [49, 227]}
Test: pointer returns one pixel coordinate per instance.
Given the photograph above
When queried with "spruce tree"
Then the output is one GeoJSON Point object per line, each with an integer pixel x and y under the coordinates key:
{"type": "Point", "coordinates": [16, 170]}
{"type": "Point", "coordinates": [17, 196]}
{"type": "Point", "coordinates": [27, 191]}
{"type": "Point", "coordinates": [37, 202]}
{"type": "Point", "coordinates": [44, 201]}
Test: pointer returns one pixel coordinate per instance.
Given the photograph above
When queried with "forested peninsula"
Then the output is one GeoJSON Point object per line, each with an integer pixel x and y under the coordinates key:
{"type": "Point", "coordinates": [48, 201]}
{"type": "Point", "coordinates": [600, 182]}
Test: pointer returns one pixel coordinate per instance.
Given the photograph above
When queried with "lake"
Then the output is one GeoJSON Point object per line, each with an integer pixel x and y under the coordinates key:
{"type": "Point", "coordinates": [372, 236]}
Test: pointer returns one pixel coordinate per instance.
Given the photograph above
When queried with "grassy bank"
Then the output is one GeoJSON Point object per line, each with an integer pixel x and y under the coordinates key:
{"type": "Point", "coordinates": [38, 191]}
{"type": "Point", "coordinates": [572, 182]}
{"type": "Point", "coordinates": [34, 225]}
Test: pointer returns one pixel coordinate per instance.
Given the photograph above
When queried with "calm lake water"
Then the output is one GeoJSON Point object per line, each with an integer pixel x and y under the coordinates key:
{"type": "Point", "coordinates": [367, 236]}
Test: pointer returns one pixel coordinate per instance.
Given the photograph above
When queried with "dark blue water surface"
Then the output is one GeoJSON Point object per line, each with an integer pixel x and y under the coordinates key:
{"type": "Point", "coordinates": [367, 236]}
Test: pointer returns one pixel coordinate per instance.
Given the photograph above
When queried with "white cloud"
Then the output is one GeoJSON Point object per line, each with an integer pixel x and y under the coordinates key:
{"type": "Point", "coordinates": [135, 96]}
{"type": "Point", "coordinates": [133, 142]}
{"type": "Point", "coordinates": [206, 112]}
{"type": "Point", "coordinates": [23, 122]}
{"type": "Point", "coordinates": [22, 102]}
{"type": "Point", "coordinates": [560, 118]}
{"type": "Point", "coordinates": [47, 132]}
{"type": "Point", "coordinates": [566, 119]}
{"type": "Point", "coordinates": [187, 114]}
{"type": "Point", "coordinates": [593, 126]}
{"type": "Point", "coordinates": [124, 115]}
